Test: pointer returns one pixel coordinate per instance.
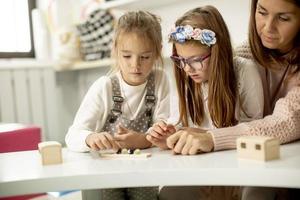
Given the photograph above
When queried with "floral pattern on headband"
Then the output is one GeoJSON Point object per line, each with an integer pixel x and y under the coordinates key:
{"type": "Point", "coordinates": [187, 32]}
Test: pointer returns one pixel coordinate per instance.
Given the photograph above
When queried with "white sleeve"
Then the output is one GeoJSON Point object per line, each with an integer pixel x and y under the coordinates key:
{"type": "Point", "coordinates": [89, 116]}
{"type": "Point", "coordinates": [162, 87]}
{"type": "Point", "coordinates": [251, 96]}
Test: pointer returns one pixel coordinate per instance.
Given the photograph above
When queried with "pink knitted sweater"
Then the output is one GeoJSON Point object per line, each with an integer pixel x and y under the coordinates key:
{"type": "Point", "coordinates": [282, 114]}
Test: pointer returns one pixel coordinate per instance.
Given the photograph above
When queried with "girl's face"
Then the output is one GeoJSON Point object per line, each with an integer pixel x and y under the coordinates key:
{"type": "Point", "coordinates": [194, 59]}
{"type": "Point", "coordinates": [136, 58]}
{"type": "Point", "coordinates": [277, 23]}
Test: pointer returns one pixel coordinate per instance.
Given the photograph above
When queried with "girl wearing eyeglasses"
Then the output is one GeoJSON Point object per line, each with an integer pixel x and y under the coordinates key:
{"type": "Point", "coordinates": [215, 90]}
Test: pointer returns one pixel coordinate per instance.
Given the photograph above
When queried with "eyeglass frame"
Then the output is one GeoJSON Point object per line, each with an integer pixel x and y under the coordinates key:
{"type": "Point", "coordinates": [189, 61]}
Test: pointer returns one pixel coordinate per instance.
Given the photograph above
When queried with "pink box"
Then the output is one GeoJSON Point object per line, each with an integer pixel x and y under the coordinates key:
{"type": "Point", "coordinates": [24, 197]}
{"type": "Point", "coordinates": [19, 137]}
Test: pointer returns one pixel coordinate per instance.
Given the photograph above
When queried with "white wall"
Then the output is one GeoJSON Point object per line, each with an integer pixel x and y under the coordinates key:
{"type": "Point", "coordinates": [235, 13]}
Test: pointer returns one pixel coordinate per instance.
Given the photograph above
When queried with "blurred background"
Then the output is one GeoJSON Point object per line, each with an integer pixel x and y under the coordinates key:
{"type": "Point", "coordinates": [51, 51]}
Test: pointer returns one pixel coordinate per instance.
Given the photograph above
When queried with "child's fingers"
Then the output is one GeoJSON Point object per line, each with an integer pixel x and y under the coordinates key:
{"type": "Point", "coordinates": [149, 138]}
{"type": "Point", "coordinates": [152, 139]}
{"type": "Point", "coordinates": [155, 134]}
{"type": "Point", "coordinates": [188, 144]}
{"type": "Point", "coordinates": [120, 137]}
{"type": "Point", "coordinates": [172, 140]}
{"type": "Point", "coordinates": [112, 141]}
{"type": "Point", "coordinates": [121, 144]}
{"type": "Point", "coordinates": [106, 141]}
{"type": "Point", "coordinates": [116, 145]}
{"type": "Point", "coordinates": [157, 130]}
{"type": "Point", "coordinates": [180, 143]}
{"type": "Point", "coordinates": [159, 143]}
{"type": "Point", "coordinates": [194, 150]}
{"type": "Point", "coordinates": [98, 143]}
{"type": "Point", "coordinates": [162, 125]}
{"type": "Point", "coordinates": [171, 128]}
{"type": "Point", "coordinates": [94, 147]}
{"type": "Point", "coordinates": [121, 129]}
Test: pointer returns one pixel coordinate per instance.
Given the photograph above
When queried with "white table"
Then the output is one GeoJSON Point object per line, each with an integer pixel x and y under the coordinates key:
{"type": "Point", "coordinates": [22, 172]}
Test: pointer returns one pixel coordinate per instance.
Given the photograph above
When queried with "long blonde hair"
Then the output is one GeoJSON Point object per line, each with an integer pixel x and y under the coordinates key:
{"type": "Point", "coordinates": [222, 92]}
{"type": "Point", "coordinates": [146, 25]}
{"type": "Point", "coordinates": [267, 57]}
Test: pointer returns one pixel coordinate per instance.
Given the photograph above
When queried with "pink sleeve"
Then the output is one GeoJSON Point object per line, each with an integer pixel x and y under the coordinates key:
{"type": "Point", "coordinates": [284, 124]}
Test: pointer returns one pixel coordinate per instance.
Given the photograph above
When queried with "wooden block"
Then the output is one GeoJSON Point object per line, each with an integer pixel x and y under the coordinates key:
{"type": "Point", "coordinates": [50, 152]}
{"type": "Point", "coordinates": [258, 148]}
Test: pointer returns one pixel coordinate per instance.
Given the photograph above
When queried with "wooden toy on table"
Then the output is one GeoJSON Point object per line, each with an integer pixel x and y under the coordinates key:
{"type": "Point", "coordinates": [50, 152]}
{"type": "Point", "coordinates": [124, 154]}
{"type": "Point", "coordinates": [258, 148]}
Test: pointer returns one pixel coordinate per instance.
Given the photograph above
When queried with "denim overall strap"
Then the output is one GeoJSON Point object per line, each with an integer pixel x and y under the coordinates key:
{"type": "Point", "coordinates": [143, 119]}
{"type": "Point", "coordinates": [116, 98]}
{"type": "Point", "coordinates": [150, 96]}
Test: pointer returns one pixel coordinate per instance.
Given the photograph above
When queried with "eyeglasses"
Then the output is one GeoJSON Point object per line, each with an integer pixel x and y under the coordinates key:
{"type": "Point", "coordinates": [194, 62]}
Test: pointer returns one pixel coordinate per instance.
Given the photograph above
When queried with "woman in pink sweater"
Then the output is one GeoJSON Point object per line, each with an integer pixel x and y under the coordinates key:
{"type": "Point", "coordinates": [274, 44]}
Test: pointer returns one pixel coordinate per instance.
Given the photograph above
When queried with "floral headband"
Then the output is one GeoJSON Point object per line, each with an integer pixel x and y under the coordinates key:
{"type": "Point", "coordinates": [187, 32]}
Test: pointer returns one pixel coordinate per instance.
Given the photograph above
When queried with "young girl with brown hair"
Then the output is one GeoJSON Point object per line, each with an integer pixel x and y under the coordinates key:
{"type": "Point", "coordinates": [119, 108]}
{"type": "Point", "coordinates": [215, 89]}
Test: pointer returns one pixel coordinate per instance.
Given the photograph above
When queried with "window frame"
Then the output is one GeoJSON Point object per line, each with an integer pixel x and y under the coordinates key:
{"type": "Point", "coordinates": [30, 54]}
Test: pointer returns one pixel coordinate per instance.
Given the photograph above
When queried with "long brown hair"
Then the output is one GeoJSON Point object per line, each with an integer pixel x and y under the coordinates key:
{"type": "Point", "coordinates": [222, 92]}
{"type": "Point", "coordinates": [143, 23]}
{"type": "Point", "coordinates": [267, 57]}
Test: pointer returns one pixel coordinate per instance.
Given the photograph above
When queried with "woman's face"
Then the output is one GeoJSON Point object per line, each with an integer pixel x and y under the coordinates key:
{"type": "Point", "coordinates": [277, 23]}
{"type": "Point", "coordinates": [194, 61]}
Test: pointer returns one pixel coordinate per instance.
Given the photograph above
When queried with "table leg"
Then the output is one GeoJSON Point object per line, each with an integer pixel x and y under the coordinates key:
{"type": "Point", "coordinates": [90, 194]}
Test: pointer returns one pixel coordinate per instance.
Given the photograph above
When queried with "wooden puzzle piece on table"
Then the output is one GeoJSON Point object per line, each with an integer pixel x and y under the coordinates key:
{"type": "Point", "coordinates": [258, 148]}
{"type": "Point", "coordinates": [51, 152]}
{"type": "Point", "coordinates": [124, 154]}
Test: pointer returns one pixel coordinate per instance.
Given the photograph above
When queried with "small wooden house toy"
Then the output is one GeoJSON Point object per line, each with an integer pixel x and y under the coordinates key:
{"type": "Point", "coordinates": [258, 148]}
{"type": "Point", "coordinates": [50, 152]}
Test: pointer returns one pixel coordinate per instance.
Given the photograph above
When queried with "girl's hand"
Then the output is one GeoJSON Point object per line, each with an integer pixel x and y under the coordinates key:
{"type": "Point", "coordinates": [159, 133]}
{"type": "Point", "coordinates": [189, 143]}
{"type": "Point", "coordinates": [192, 129]}
{"type": "Point", "coordinates": [131, 139]}
{"type": "Point", "coordinates": [101, 141]}
{"type": "Point", "coordinates": [160, 130]}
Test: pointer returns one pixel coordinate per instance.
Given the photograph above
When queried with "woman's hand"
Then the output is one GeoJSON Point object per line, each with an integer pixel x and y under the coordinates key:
{"type": "Point", "coordinates": [158, 134]}
{"type": "Point", "coordinates": [131, 139]}
{"type": "Point", "coordinates": [189, 142]}
{"type": "Point", "coordinates": [101, 141]}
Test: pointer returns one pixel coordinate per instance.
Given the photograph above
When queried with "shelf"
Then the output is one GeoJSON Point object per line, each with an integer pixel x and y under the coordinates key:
{"type": "Point", "coordinates": [8, 64]}
{"type": "Point", "coordinates": [135, 4]}
{"type": "Point", "coordinates": [107, 62]}
{"type": "Point", "coordinates": [81, 65]}
{"type": "Point", "coordinates": [24, 63]}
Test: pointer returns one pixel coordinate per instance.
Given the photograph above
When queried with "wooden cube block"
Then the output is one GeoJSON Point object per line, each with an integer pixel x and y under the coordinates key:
{"type": "Point", "coordinates": [50, 152]}
{"type": "Point", "coordinates": [258, 148]}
